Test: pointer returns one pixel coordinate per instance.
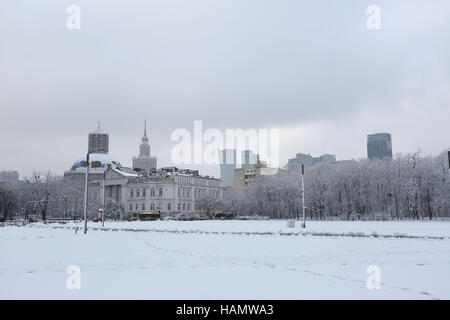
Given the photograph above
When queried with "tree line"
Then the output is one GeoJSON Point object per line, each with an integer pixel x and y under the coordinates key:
{"type": "Point", "coordinates": [42, 195]}
{"type": "Point", "coordinates": [410, 186]}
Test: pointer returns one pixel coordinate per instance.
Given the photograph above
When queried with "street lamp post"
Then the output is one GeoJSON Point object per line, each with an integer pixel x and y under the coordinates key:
{"type": "Point", "coordinates": [65, 207]}
{"type": "Point", "coordinates": [103, 200]}
{"type": "Point", "coordinates": [449, 163]}
{"type": "Point", "coordinates": [86, 193]}
{"type": "Point", "coordinates": [303, 196]}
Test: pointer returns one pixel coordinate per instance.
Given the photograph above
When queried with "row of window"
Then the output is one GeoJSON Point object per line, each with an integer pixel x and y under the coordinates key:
{"type": "Point", "coordinates": [136, 207]}
{"type": "Point", "coordinates": [184, 207]}
{"type": "Point", "coordinates": [136, 193]}
{"type": "Point", "coordinates": [203, 193]}
{"type": "Point", "coordinates": [199, 182]}
{"type": "Point", "coordinates": [184, 192]}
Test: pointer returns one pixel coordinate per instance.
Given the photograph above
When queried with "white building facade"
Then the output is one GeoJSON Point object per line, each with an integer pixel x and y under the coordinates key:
{"type": "Point", "coordinates": [170, 190]}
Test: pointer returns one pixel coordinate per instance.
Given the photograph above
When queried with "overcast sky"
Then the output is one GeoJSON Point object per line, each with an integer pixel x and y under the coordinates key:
{"type": "Point", "coordinates": [310, 68]}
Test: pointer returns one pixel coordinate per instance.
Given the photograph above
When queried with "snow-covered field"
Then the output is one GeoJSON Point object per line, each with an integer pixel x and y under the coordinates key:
{"type": "Point", "coordinates": [227, 260]}
{"type": "Point", "coordinates": [420, 229]}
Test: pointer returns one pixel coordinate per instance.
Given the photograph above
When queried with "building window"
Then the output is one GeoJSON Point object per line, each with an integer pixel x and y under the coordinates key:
{"type": "Point", "coordinates": [179, 206]}
{"type": "Point", "coordinates": [138, 193]}
{"type": "Point", "coordinates": [168, 206]}
{"type": "Point", "coordinates": [179, 192]}
{"type": "Point", "coordinates": [131, 207]}
{"type": "Point", "coordinates": [188, 207]}
{"type": "Point", "coordinates": [184, 206]}
{"type": "Point", "coordinates": [131, 193]}
{"type": "Point", "coordinates": [144, 193]}
{"type": "Point", "coordinates": [152, 192]}
{"type": "Point", "coordinates": [152, 206]}
{"type": "Point", "coordinates": [136, 207]}
{"type": "Point", "coordinates": [143, 206]}
{"type": "Point", "coordinates": [160, 192]}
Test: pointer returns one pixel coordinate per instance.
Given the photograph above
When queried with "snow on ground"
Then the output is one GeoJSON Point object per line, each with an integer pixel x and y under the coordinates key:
{"type": "Point", "coordinates": [176, 265]}
{"type": "Point", "coordinates": [416, 228]}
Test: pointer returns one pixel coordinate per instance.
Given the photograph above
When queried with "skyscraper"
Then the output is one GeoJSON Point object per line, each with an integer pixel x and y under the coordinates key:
{"type": "Point", "coordinates": [98, 141]}
{"type": "Point", "coordinates": [227, 167]}
{"type": "Point", "coordinates": [379, 146]}
{"type": "Point", "coordinates": [144, 161]}
{"type": "Point", "coordinates": [249, 159]}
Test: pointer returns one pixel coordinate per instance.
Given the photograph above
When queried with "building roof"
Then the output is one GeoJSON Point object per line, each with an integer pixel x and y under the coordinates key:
{"type": "Point", "coordinates": [173, 171]}
{"type": "Point", "coordinates": [125, 171]}
{"type": "Point", "coordinates": [98, 163]}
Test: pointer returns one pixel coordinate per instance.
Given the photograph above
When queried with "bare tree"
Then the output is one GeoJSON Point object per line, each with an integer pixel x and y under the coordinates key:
{"type": "Point", "coordinates": [8, 203]}
{"type": "Point", "coordinates": [409, 186]}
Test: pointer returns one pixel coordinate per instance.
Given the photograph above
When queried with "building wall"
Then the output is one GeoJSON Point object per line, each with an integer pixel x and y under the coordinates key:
{"type": "Point", "coordinates": [144, 163]}
{"type": "Point", "coordinates": [247, 176]}
{"type": "Point", "coordinates": [9, 176]}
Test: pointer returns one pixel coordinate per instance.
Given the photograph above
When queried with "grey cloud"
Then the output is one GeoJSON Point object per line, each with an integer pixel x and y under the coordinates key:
{"type": "Point", "coordinates": [233, 63]}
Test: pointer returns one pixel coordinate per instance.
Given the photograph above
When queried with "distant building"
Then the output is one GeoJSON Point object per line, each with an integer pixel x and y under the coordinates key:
{"type": "Point", "coordinates": [245, 177]}
{"type": "Point", "coordinates": [250, 171]}
{"type": "Point", "coordinates": [9, 176]}
{"type": "Point", "coordinates": [300, 158]}
{"type": "Point", "coordinates": [308, 160]}
{"type": "Point", "coordinates": [144, 161]}
{"type": "Point", "coordinates": [98, 141]}
{"type": "Point", "coordinates": [379, 146]}
{"type": "Point", "coordinates": [325, 158]}
{"type": "Point", "coordinates": [227, 166]}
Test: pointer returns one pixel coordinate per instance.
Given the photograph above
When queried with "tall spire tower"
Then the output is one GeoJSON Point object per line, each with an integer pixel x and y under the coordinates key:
{"type": "Point", "coordinates": [145, 128]}
{"type": "Point", "coordinates": [145, 147]}
{"type": "Point", "coordinates": [144, 161]}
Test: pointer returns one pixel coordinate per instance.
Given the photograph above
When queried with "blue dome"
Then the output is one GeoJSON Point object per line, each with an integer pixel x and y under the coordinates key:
{"type": "Point", "coordinates": [98, 163]}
